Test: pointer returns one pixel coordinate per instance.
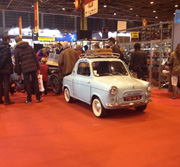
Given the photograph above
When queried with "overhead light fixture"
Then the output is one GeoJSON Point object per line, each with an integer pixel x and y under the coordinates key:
{"type": "Point", "coordinates": [151, 2]}
{"type": "Point", "coordinates": [156, 17]}
{"type": "Point", "coordinates": [137, 15]}
{"type": "Point", "coordinates": [115, 14]}
{"type": "Point", "coordinates": [105, 6]}
{"type": "Point", "coordinates": [63, 9]}
{"type": "Point", "coordinates": [131, 8]}
{"type": "Point", "coordinates": [176, 6]}
{"type": "Point", "coordinates": [154, 11]}
{"type": "Point", "coordinates": [174, 13]}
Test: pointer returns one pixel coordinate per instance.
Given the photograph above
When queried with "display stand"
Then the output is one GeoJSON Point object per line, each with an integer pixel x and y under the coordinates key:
{"type": "Point", "coordinates": [156, 41]}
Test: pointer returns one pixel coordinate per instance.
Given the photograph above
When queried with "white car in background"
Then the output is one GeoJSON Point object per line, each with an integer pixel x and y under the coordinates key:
{"type": "Point", "coordinates": [104, 81]}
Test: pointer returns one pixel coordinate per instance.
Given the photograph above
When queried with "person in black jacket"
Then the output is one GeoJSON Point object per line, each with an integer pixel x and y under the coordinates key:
{"type": "Point", "coordinates": [6, 69]}
{"type": "Point", "coordinates": [138, 62]}
{"type": "Point", "coordinates": [27, 63]}
{"type": "Point", "coordinates": [115, 48]}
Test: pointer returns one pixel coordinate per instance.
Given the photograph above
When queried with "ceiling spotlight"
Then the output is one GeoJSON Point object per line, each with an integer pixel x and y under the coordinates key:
{"type": "Point", "coordinates": [151, 2]}
{"type": "Point", "coordinates": [176, 6]}
{"type": "Point", "coordinates": [156, 17]}
{"type": "Point", "coordinates": [137, 15]}
{"type": "Point", "coordinates": [115, 14]}
{"type": "Point", "coordinates": [131, 8]}
{"type": "Point", "coordinates": [63, 9]}
{"type": "Point", "coordinates": [154, 11]}
{"type": "Point", "coordinates": [105, 6]}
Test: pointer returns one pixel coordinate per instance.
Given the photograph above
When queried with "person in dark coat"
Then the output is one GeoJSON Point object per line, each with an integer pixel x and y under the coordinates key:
{"type": "Point", "coordinates": [58, 48]}
{"type": "Point", "coordinates": [6, 69]}
{"type": "Point", "coordinates": [138, 62]}
{"type": "Point", "coordinates": [26, 62]}
{"type": "Point", "coordinates": [115, 48]}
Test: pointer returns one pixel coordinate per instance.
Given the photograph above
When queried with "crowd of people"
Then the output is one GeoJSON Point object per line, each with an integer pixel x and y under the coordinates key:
{"type": "Point", "coordinates": [30, 64]}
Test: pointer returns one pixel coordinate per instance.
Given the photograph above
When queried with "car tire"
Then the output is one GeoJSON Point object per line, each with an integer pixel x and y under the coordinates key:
{"type": "Point", "coordinates": [56, 84]}
{"type": "Point", "coordinates": [98, 109]}
{"type": "Point", "coordinates": [141, 108]}
{"type": "Point", "coordinates": [67, 96]}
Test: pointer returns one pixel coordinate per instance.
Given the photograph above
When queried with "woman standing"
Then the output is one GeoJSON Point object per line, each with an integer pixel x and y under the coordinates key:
{"type": "Point", "coordinates": [175, 69]}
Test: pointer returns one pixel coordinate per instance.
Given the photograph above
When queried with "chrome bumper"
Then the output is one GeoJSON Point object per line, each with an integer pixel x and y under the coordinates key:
{"type": "Point", "coordinates": [127, 105]}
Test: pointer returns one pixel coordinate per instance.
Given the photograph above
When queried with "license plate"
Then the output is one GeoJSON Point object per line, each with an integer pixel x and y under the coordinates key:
{"type": "Point", "coordinates": [132, 98]}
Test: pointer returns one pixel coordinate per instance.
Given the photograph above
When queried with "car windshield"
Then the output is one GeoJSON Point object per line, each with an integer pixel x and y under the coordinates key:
{"type": "Point", "coordinates": [108, 68]}
{"type": "Point", "coordinates": [53, 59]}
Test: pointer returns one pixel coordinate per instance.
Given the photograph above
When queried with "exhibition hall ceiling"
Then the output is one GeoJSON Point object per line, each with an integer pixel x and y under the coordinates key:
{"type": "Point", "coordinates": [152, 10]}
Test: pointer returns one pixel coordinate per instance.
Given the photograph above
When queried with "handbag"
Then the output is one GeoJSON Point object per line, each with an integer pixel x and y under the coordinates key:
{"type": "Point", "coordinates": [40, 83]}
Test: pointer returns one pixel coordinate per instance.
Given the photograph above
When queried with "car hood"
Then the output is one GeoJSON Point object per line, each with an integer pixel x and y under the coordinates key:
{"type": "Point", "coordinates": [126, 82]}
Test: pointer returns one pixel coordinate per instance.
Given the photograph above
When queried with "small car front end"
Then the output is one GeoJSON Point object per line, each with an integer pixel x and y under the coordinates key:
{"type": "Point", "coordinates": [125, 92]}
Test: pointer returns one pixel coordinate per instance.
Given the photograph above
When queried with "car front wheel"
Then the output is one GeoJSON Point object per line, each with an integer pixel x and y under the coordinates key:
{"type": "Point", "coordinates": [98, 109]}
{"type": "Point", "coordinates": [141, 108]}
{"type": "Point", "coordinates": [67, 96]}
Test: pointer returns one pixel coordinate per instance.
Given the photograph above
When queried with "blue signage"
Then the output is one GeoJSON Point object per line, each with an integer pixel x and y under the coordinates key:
{"type": "Point", "coordinates": [67, 37]}
{"type": "Point", "coordinates": [177, 17]}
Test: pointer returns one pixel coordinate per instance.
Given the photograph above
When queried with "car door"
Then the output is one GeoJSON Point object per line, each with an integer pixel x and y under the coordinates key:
{"type": "Point", "coordinates": [82, 82]}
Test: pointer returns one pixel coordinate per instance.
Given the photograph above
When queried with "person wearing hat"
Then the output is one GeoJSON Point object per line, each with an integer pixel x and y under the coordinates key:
{"type": "Point", "coordinates": [26, 62]}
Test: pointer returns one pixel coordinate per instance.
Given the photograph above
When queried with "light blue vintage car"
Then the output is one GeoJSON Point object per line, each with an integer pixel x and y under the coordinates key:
{"type": "Point", "coordinates": [104, 81]}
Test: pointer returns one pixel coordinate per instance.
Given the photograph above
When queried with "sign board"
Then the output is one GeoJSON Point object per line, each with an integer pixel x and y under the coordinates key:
{"type": "Point", "coordinates": [121, 25]}
{"type": "Point", "coordinates": [134, 34]}
{"type": "Point", "coordinates": [177, 17]}
{"type": "Point", "coordinates": [46, 38]}
{"type": "Point", "coordinates": [90, 7]}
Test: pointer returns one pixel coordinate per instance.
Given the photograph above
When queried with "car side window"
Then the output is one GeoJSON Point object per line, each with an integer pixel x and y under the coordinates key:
{"type": "Point", "coordinates": [83, 69]}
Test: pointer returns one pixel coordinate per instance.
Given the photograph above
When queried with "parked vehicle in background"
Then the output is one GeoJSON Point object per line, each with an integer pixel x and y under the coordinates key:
{"type": "Point", "coordinates": [103, 81]}
{"type": "Point", "coordinates": [54, 76]}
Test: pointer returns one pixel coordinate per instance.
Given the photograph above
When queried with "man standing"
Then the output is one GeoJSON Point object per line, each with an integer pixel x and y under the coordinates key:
{"type": "Point", "coordinates": [115, 48]}
{"type": "Point", "coordinates": [6, 69]}
{"type": "Point", "coordinates": [138, 62]}
{"type": "Point", "coordinates": [27, 63]}
{"type": "Point", "coordinates": [67, 59]}
{"type": "Point", "coordinates": [58, 48]}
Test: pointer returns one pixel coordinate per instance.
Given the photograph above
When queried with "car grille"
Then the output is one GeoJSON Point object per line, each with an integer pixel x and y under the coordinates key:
{"type": "Point", "coordinates": [132, 96]}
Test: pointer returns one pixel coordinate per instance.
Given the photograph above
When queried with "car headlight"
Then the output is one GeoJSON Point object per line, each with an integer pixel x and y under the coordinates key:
{"type": "Point", "coordinates": [148, 88]}
{"type": "Point", "coordinates": [113, 90]}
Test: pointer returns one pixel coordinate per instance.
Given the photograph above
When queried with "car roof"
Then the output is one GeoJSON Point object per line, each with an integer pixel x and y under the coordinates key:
{"type": "Point", "coordinates": [100, 55]}
{"type": "Point", "coordinates": [99, 59]}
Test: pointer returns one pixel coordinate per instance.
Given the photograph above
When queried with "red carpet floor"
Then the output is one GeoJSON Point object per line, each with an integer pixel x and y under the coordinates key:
{"type": "Point", "coordinates": [57, 134]}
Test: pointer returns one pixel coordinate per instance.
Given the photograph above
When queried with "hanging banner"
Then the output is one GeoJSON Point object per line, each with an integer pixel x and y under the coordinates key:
{"type": "Point", "coordinates": [144, 22]}
{"type": "Point", "coordinates": [36, 17]}
{"type": "Point", "coordinates": [177, 17]}
{"type": "Point", "coordinates": [76, 4]}
{"type": "Point", "coordinates": [90, 7]}
{"type": "Point", "coordinates": [20, 27]}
